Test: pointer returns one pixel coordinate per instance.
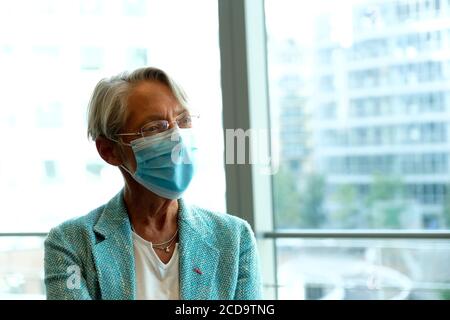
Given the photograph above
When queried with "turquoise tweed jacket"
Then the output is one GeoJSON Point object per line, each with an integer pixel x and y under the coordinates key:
{"type": "Point", "coordinates": [97, 249]}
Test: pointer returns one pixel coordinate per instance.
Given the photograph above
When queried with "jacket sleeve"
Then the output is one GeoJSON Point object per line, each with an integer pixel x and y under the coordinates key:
{"type": "Point", "coordinates": [249, 285]}
{"type": "Point", "coordinates": [64, 278]}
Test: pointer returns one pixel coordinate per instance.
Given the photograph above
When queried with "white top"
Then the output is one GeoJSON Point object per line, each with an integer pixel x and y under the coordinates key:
{"type": "Point", "coordinates": [154, 279]}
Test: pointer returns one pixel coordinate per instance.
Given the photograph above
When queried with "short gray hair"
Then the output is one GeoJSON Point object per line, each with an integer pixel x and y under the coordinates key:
{"type": "Point", "coordinates": [108, 103]}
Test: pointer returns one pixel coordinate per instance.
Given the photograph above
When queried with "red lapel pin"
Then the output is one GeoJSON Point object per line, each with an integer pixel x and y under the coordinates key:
{"type": "Point", "coordinates": [198, 270]}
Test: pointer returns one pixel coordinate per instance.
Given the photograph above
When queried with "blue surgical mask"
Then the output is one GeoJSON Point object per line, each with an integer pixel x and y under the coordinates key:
{"type": "Point", "coordinates": [165, 162]}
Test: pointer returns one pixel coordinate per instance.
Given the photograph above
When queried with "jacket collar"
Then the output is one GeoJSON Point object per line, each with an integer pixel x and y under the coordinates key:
{"type": "Point", "coordinates": [199, 256]}
{"type": "Point", "coordinates": [114, 253]}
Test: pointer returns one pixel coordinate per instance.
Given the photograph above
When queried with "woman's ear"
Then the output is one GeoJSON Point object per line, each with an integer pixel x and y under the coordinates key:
{"type": "Point", "coordinates": [107, 149]}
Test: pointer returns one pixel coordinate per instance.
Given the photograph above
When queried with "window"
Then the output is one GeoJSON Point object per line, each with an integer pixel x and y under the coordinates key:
{"type": "Point", "coordinates": [134, 7]}
{"type": "Point", "coordinates": [387, 98]}
{"type": "Point", "coordinates": [339, 269]}
{"type": "Point", "coordinates": [91, 58]}
{"type": "Point", "coordinates": [356, 204]}
{"type": "Point", "coordinates": [51, 61]}
{"type": "Point", "coordinates": [21, 268]}
{"type": "Point", "coordinates": [136, 57]}
{"type": "Point", "coordinates": [91, 7]}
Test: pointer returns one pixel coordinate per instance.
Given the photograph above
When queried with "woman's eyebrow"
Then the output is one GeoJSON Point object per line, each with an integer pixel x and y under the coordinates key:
{"type": "Point", "coordinates": [149, 119]}
{"type": "Point", "coordinates": [180, 111]}
{"type": "Point", "coordinates": [156, 117]}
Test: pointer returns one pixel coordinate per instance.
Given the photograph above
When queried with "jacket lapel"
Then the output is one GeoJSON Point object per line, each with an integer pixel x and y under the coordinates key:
{"type": "Point", "coordinates": [114, 254]}
{"type": "Point", "coordinates": [198, 256]}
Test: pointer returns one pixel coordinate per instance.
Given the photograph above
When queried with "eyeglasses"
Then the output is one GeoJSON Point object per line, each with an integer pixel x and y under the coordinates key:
{"type": "Point", "coordinates": [183, 121]}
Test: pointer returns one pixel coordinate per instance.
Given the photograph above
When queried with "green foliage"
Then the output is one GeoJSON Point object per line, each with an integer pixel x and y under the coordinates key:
{"type": "Point", "coordinates": [446, 210]}
{"type": "Point", "coordinates": [385, 188]}
{"type": "Point", "coordinates": [382, 207]}
{"type": "Point", "coordinates": [346, 214]}
{"type": "Point", "coordinates": [445, 294]}
{"type": "Point", "coordinates": [311, 202]}
{"type": "Point", "coordinates": [384, 202]}
{"type": "Point", "coordinates": [294, 209]}
{"type": "Point", "coordinates": [286, 200]}
{"type": "Point", "coordinates": [299, 204]}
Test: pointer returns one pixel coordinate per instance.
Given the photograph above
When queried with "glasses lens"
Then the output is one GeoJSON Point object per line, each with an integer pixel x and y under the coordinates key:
{"type": "Point", "coordinates": [155, 127]}
{"type": "Point", "coordinates": [186, 120]}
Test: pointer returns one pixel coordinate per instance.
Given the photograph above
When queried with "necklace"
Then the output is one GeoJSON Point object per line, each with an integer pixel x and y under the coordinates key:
{"type": "Point", "coordinates": [163, 245]}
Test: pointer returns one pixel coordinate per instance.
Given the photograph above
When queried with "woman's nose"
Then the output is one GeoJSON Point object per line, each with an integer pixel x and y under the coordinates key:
{"type": "Point", "coordinates": [172, 124]}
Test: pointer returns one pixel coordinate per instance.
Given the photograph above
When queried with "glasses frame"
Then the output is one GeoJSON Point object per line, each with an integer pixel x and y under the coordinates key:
{"type": "Point", "coordinates": [167, 127]}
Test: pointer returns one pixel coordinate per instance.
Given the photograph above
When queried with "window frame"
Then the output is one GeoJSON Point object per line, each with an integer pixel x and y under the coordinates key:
{"type": "Point", "coordinates": [245, 97]}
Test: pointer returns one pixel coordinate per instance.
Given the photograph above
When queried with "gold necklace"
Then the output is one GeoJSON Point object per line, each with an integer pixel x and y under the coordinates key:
{"type": "Point", "coordinates": [162, 245]}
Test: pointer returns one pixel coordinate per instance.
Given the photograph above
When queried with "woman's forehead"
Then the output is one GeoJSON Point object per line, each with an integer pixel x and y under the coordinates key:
{"type": "Point", "coordinates": [151, 92]}
{"type": "Point", "coordinates": [151, 100]}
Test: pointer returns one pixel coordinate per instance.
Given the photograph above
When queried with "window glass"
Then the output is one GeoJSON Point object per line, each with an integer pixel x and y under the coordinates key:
{"type": "Point", "coordinates": [52, 53]}
{"type": "Point", "coordinates": [359, 108]}
{"type": "Point", "coordinates": [359, 97]}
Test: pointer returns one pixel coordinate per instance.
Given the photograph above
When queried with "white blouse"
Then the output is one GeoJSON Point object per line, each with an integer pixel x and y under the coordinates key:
{"type": "Point", "coordinates": [155, 280]}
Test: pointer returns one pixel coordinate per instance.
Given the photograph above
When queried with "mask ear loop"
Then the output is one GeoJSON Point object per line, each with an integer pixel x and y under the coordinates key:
{"type": "Point", "coordinates": [125, 168]}
{"type": "Point", "coordinates": [126, 144]}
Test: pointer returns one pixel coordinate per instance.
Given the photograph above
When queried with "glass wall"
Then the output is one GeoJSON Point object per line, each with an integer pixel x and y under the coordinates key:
{"type": "Point", "coordinates": [360, 112]}
{"type": "Point", "coordinates": [337, 269]}
{"type": "Point", "coordinates": [52, 53]}
{"type": "Point", "coordinates": [22, 268]}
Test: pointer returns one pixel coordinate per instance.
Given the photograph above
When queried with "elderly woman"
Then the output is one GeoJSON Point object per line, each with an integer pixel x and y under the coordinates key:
{"type": "Point", "coordinates": [146, 242]}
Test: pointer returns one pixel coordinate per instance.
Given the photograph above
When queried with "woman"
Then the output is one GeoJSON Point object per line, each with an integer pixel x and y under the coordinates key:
{"type": "Point", "coordinates": [146, 242]}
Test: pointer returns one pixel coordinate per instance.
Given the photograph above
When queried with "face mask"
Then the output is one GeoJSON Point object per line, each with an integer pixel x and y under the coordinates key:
{"type": "Point", "coordinates": [165, 162]}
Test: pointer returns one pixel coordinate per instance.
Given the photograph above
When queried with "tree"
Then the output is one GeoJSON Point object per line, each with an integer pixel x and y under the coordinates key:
{"type": "Point", "coordinates": [286, 200]}
{"type": "Point", "coordinates": [446, 209]}
{"type": "Point", "coordinates": [445, 294]}
{"type": "Point", "coordinates": [382, 207]}
{"type": "Point", "coordinates": [385, 202]}
{"type": "Point", "coordinates": [294, 209]}
{"type": "Point", "coordinates": [312, 213]}
{"type": "Point", "coordinates": [346, 213]}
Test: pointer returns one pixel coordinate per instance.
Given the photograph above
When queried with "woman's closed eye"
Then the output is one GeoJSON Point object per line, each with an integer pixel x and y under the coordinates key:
{"type": "Point", "coordinates": [154, 127]}
{"type": "Point", "coordinates": [185, 122]}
